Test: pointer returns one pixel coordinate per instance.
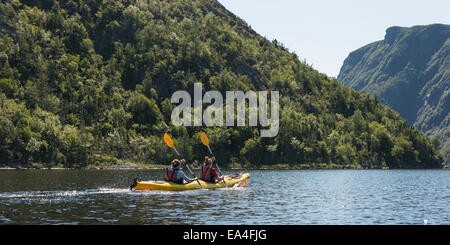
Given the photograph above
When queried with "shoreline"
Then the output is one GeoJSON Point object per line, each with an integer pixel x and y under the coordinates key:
{"type": "Point", "coordinates": [197, 168]}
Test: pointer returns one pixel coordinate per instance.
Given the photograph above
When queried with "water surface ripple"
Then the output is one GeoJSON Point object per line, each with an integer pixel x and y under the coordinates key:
{"type": "Point", "coordinates": [271, 197]}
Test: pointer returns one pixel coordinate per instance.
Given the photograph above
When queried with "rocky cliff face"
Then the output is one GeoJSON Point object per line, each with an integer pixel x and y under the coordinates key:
{"type": "Point", "coordinates": [409, 71]}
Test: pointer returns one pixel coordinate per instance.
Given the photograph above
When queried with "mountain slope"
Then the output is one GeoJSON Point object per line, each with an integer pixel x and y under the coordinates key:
{"type": "Point", "coordinates": [410, 71]}
{"type": "Point", "coordinates": [89, 83]}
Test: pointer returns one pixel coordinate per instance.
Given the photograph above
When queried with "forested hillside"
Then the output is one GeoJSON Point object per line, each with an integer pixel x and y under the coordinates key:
{"type": "Point", "coordinates": [89, 83]}
{"type": "Point", "coordinates": [409, 71]}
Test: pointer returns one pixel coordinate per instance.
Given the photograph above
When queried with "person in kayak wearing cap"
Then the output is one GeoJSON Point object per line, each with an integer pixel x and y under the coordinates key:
{"type": "Point", "coordinates": [175, 174]}
{"type": "Point", "coordinates": [208, 173]}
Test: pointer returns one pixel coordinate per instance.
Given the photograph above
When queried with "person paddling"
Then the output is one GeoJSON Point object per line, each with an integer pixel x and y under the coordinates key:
{"type": "Point", "coordinates": [175, 174]}
{"type": "Point", "coordinates": [208, 173]}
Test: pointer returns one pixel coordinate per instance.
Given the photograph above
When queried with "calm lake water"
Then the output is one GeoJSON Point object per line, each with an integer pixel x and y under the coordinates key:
{"type": "Point", "coordinates": [288, 197]}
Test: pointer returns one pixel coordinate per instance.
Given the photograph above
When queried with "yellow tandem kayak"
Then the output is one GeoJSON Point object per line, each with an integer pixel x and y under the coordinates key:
{"type": "Point", "coordinates": [231, 181]}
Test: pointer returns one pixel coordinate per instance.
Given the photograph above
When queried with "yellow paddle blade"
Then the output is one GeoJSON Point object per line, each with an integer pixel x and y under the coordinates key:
{"type": "Point", "coordinates": [204, 138]}
{"type": "Point", "coordinates": [168, 140]}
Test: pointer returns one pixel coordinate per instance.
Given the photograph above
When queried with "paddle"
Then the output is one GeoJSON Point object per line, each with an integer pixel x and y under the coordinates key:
{"type": "Point", "coordinates": [170, 143]}
{"type": "Point", "coordinates": [205, 141]}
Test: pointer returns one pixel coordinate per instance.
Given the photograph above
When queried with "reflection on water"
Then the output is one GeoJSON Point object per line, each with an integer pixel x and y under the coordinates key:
{"type": "Point", "coordinates": [271, 197]}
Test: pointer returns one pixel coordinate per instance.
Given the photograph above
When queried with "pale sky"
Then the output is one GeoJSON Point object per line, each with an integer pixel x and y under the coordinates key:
{"type": "Point", "coordinates": [324, 32]}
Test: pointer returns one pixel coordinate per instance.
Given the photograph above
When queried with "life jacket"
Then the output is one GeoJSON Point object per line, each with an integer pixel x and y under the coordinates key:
{"type": "Point", "coordinates": [171, 175]}
{"type": "Point", "coordinates": [206, 174]}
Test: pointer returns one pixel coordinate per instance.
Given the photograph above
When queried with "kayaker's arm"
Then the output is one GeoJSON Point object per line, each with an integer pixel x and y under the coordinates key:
{"type": "Point", "coordinates": [216, 177]}
{"type": "Point", "coordinates": [183, 176]}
